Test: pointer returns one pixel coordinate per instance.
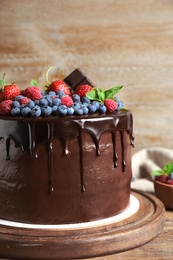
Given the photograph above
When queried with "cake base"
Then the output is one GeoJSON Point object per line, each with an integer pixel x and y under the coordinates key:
{"type": "Point", "coordinates": [85, 240]}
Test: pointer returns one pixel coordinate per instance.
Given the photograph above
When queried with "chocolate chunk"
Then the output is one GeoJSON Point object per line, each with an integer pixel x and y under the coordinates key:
{"type": "Point", "coordinates": [77, 78]}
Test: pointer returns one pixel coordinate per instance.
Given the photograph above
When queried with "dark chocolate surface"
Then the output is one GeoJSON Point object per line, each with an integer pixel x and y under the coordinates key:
{"type": "Point", "coordinates": [65, 169]}
{"type": "Point", "coordinates": [77, 78]}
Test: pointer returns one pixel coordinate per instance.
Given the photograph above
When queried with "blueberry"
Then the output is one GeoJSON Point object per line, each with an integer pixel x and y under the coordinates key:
{"type": "Point", "coordinates": [79, 111]}
{"type": "Point", "coordinates": [96, 103]}
{"type": "Point", "coordinates": [84, 104]}
{"type": "Point", "coordinates": [43, 102]}
{"type": "Point", "coordinates": [120, 105]}
{"type": "Point", "coordinates": [116, 99]}
{"type": "Point", "coordinates": [16, 104]}
{"type": "Point", "coordinates": [30, 104]}
{"type": "Point", "coordinates": [70, 111]}
{"type": "Point", "coordinates": [26, 111]}
{"type": "Point", "coordinates": [76, 106]}
{"type": "Point", "coordinates": [43, 93]}
{"type": "Point", "coordinates": [62, 110]}
{"type": "Point", "coordinates": [92, 108]}
{"type": "Point", "coordinates": [102, 108]}
{"type": "Point", "coordinates": [36, 111]}
{"type": "Point", "coordinates": [85, 110]}
{"type": "Point", "coordinates": [37, 102]}
{"type": "Point", "coordinates": [85, 100]}
{"type": "Point", "coordinates": [50, 100]}
{"type": "Point", "coordinates": [15, 111]}
{"type": "Point", "coordinates": [171, 176]}
{"type": "Point", "coordinates": [46, 111]}
{"type": "Point", "coordinates": [17, 98]}
{"type": "Point", "coordinates": [76, 98]}
{"type": "Point", "coordinates": [60, 93]}
{"type": "Point", "coordinates": [54, 110]}
{"type": "Point", "coordinates": [52, 93]}
{"type": "Point", "coordinates": [56, 101]}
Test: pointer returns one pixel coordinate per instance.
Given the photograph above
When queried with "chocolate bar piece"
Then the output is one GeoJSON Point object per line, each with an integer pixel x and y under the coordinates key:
{"type": "Point", "coordinates": [77, 78]}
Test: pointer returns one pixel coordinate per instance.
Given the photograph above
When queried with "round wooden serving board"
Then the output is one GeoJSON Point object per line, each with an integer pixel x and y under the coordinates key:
{"type": "Point", "coordinates": [110, 238]}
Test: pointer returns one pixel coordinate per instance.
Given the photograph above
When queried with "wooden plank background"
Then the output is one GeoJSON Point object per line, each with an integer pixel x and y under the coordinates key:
{"type": "Point", "coordinates": [115, 42]}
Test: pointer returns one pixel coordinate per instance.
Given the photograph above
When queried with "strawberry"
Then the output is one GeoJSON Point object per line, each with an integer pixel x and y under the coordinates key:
{"type": "Point", "coordinates": [11, 91]}
{"type": "Point", "coordinates": [82, 90]}
{"type": "Point", "coordinates": [110, 104]}
{"type": "Point", "coordinates": [5, 107]}
{"type": "Point", "coordinates": [24, 100]}
{"type": "Point", "coordinates": [58, 85]}
{"type": "Point", "coordinates": [8, 91]}
{"type": "Point", "coordinates": [33, 92]}
{"type": "Point", "coordinates": [66, 100]}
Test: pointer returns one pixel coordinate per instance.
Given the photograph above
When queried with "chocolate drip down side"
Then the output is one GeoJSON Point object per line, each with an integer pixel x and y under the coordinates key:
{"type": "Point", "coordinates": [66, 128]}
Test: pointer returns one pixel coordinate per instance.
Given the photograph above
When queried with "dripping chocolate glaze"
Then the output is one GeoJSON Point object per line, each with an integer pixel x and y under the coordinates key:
{"type": "Point", "coordinates": [46, 129]}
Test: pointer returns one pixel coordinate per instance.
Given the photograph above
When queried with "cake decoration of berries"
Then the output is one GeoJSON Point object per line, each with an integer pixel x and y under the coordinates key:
{"type": "Point", "coordinates": [8, 91]}
{"type": "Point", "coordinates": [57, 99]}
{"type": "Point", "coordinates": [164, 175]}
{"type": "Point", "coordinates": [107, 97]}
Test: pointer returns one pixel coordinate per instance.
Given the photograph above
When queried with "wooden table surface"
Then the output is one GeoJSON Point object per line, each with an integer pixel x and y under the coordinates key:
{"type": "Point", "coordinates": [160, 248]}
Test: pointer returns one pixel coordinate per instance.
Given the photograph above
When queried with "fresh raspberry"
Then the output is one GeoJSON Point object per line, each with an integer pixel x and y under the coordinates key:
{"type": "Point", "coordinates": [110, 104]}
{"type": "Point", "coordinates": [58, 85]}
{"type": "Point", "coordinates": [82, 90]}
{"type": "Point", "coordinates": [33, 92]}
{"type": "Point", "coordinates": [6, 107]}
{"type": "Point", "coordinates": [162, 178]}
{"type": "Point", "coordinates": [24, 100]}
{"type": "Point", "coordinates": [67, 100]}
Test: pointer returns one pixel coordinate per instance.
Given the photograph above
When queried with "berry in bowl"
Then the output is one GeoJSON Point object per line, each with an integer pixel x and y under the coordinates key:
{"type": "Point", "coordinates": [163, 184]}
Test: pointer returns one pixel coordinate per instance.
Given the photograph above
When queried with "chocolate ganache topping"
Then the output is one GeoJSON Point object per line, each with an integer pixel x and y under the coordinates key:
{"type": "Point", "coordinates": [64, 128]}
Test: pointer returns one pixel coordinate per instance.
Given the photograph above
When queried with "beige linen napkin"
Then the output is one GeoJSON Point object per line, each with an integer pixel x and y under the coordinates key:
{"type": "Point", "coordinates": [144, 162]}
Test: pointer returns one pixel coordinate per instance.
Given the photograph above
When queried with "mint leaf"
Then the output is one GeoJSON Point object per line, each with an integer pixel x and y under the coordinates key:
{"type": "Point", "coordinates": [34, 83]}
{"type": "Point", "coordinates": [92, 95]}
{"type": "Point", "coordinates": [157, 172]}
{"type": "Point", "coordinates": [100, 94]}
{"type": "Point", "coordinates": [168, 168]}
{"type": "Point", "coordinates": [110, 93]}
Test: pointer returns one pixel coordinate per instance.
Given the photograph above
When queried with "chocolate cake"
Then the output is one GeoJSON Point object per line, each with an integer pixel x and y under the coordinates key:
{"type": "Point", "coordinates": [65, 169]}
